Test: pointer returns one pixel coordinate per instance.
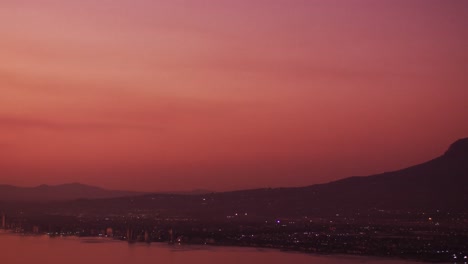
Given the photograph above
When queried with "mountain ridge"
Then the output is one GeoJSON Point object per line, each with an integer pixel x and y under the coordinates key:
{"type": "Point", "coordinates": [73, 191]}
{"type": "Point", "coordinates": [438, 183]}
{"type": "Point", "coordinates": [67, 191]}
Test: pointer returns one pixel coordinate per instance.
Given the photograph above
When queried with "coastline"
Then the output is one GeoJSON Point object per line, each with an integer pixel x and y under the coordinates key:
{"type": "Point", "coordinates": [203, 246]}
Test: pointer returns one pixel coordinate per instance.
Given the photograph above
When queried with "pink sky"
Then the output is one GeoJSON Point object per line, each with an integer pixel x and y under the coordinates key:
{"type": "Point", "coordinates": [177, 95]}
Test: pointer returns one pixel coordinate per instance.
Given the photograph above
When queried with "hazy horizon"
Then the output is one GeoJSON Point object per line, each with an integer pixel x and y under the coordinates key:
{"type": "Point", "coordinates": [189, 190]}
{"type": "Point", "coordinates": [227, 95]}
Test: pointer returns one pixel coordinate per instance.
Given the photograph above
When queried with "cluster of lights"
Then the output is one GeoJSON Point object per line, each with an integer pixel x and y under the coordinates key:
{"type": "Point", "coordinates": [455, 257]}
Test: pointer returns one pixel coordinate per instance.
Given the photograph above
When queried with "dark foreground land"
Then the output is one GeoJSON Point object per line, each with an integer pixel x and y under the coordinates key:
{"type": "Point", "coordinates": [423, 236]}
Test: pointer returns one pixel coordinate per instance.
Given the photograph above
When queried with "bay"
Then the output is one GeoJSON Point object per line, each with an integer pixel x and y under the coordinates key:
{"type": "Point", "coordinates": [23, 249]}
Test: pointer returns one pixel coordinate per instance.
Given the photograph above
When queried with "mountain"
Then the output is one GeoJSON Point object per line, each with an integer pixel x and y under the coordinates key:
{"type": "Point", "coordinates": [438, 183]}
{"type": "Point", "coordinates": [441, 183]}
{"type": "Point", "coordinates": [60, 192]}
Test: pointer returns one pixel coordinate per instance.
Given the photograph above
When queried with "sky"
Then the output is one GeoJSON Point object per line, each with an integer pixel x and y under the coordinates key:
{"type": "Point", "coordinates": [222, 95]}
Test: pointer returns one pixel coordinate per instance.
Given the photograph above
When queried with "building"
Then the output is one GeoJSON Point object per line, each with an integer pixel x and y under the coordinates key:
{"type": "Point", "coordinates": [147, 237]}
{"type": "Point", "coordinates": [109, 232]}
{"type": "Point", "coordinates": [130, 235]}
{"type": "Point", "coordinates": [3, 221]}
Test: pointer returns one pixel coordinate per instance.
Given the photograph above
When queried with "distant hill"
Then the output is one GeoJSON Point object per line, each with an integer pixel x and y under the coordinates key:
{"type": "Point", "coordinates": [59, 192]}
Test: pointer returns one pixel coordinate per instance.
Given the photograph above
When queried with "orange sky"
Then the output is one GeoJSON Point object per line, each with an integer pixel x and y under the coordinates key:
{"type": "Point", "coordinates": [216, 94]}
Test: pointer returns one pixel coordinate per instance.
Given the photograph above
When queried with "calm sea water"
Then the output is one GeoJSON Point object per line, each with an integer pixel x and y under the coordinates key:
{"type": "Point", "coordinates": [17, 249]}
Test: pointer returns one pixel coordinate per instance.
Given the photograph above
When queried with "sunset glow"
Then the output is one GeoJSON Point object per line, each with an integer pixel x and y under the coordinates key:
{"type": "Point", "coordinates": [222, 95]}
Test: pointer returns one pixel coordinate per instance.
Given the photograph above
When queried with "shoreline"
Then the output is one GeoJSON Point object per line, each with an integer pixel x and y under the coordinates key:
{"type": "Point", "coordinates": [259, 248]}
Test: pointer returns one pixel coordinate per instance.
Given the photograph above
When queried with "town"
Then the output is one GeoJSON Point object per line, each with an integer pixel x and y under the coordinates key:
{"type": "Point", "coordinates": [435, 237]}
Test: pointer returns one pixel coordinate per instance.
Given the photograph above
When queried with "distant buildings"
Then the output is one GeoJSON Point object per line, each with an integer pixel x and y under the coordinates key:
{"type": "Point", "coordinates": [130, 235]}
{"type": "Point", "coordinates": [109, 232]}
{"type": "Point", "coordinates": [3, 221]}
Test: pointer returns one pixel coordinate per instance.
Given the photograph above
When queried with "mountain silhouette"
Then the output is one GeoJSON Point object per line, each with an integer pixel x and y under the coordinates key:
{"type": "Point", "coordinates": [441, 183]}
{"type": "Point", "coordinates": [69, 191]}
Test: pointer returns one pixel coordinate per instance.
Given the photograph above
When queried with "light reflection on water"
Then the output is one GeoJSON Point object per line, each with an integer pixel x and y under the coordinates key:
{"type": "Point", "coordinates": [17, 249]}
